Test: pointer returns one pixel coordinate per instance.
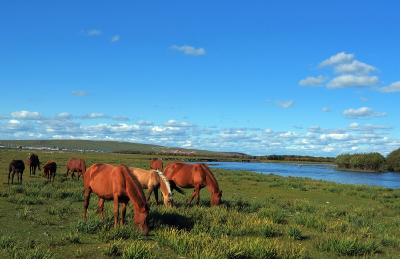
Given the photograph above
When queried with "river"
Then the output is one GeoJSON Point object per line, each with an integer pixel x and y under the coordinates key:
{"type": "Point", "coordinates": [315, 171]}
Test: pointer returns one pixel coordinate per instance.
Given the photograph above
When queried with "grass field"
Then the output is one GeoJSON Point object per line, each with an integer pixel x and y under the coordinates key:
{"type": "Point", "coordinates": [261, 216]}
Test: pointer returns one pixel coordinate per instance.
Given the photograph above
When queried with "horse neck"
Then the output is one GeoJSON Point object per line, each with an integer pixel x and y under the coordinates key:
{"type": "Point", "coordinates": [212, 183]}
{"type": "Point", "coordinates": [164, 184]}
{"type": "Point", "coordinates": [134, 192]}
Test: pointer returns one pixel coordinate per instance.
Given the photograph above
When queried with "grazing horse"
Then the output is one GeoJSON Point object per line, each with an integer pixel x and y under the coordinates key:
{"type": "Point", "coordinates": [156, 164]}
{"type": "Point", "coordinates": [16, 167]}
{"type": "Point", "coordinates": [76, 165]}
{"type": "Point", "coordinates": [121, 185]}
{"type": "Point", "coordinates": [49, 170]}
{"type": "Point", "coordinates": [33, 162]}
{"type": "Point", "coordinates": [195, 176]}
{"type": "Point", "coordinates": [152, 180]}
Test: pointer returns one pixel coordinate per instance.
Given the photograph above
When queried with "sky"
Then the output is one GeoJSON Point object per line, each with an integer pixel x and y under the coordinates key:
{"type": "Point", "coordinates": [317, 78]}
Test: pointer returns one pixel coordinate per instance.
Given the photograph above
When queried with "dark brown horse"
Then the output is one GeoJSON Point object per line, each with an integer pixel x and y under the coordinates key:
{"type": "Point", "coordinates": [16, 167]}
{"type": "Point", "coordinates": [76, 165]}
{"type": "Point", "coordinates": [49, 170]}
{"type": "Point", "coordinates": [33, 161]}
{"type": "Point", "coordinates": [121, 185]}
{"type": "Point", "coordinates": [195, 176]}
{"type": "Point", "coordinates": [156, 164]}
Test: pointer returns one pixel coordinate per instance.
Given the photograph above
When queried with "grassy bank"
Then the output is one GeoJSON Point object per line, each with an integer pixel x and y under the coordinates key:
{"type": "Point", "coordinates": [262, 216]}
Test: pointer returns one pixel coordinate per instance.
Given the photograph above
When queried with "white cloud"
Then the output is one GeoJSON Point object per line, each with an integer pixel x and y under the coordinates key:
{"type": "Point", "coordinates": [115, 38]}
{"type": "Point", "coordinates": [367, 127]}
{"type": "Point", "coordinates": [145, 123]}
{"type": "Point", "coordinates": [345, 81]}
{"type": "Point", "coordinates": [79, 93]}
{"type": "Point", "coordinates": [120, 118]}
{"type": "Point", "coordinates": [174, 123]}
{"type": "Point", "coordinates": [325, 109]}
{"type": "Point", "coordinates": [336, 59]}
{"type": "Point", "coordinates": [313, 81]}
{"type": "Point", "coordinates": [188, 50]}
{"type": "Point", "coordinates": [392, 88]}
{"type": "Point", "coordinates": [268, 131]}
{"type": "Point", "coordinates": [25, 115]}
{"type": "Point", "coordinates": [362, 113]}
{"type": "Point", "coordinates": [286, 104]}
{"type": "Point", "coordinates": [94, 116]}
{"type": "Point", "coordinates": [355, 67]}
{"type": "Point", "coordinates": [94, 32]}
{"type": "Point", "coordinates": [364, 99]}
{"type": "Point", "coordinates": [3, 117]}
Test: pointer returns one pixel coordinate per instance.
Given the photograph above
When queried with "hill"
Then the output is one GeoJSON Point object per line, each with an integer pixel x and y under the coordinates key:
{"type": "Point", "coordinates": [114, 146]}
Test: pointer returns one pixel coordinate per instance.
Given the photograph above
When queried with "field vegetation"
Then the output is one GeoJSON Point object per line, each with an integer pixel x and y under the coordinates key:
{"type": "Point", "coordinates": [261, 216]}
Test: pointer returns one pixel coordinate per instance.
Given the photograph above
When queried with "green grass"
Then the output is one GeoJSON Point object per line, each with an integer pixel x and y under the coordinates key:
{"type": "Point", "coordinates": [261, 216]}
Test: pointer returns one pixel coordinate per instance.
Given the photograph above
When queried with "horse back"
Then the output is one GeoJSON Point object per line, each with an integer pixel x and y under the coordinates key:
{"type": "Point", "coordinates": [185, 175]}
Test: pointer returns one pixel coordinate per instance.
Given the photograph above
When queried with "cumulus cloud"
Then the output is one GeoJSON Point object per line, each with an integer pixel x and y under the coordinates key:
{"type": "Point", "coordinates": [367, 127]}
{"type": "Point", "coordinates": [25, 115]}
{"type": "Point", "coordinates": [336, 59]}
{"type": "Point", "coordinates": [313, 81]}
{"type": "Point", "coordinates": [174, 123]}
{"type": "Point", "coordinates": [94, 116]}
{"type": "Point", "coordinates": [188, 50]}
{"type": "Point", "coordinates": [345, 81]}
{"type": "Point", "coordinates": [286, 104]}
{"type": "Point", "coordinates": [355, 67]}
{"type": "Point", "coordinates": [115, 38]}
{"type": "Point", "coordinates": [326, 109]}
{"type": "Point", "coordinates": [145, 123]}
{"type": "Point", "coordinates": [80, 93]}
{"type": "Point", "coordinates": [362, 113]}
{"type": "Point", "coordinates": [392, 88]}
{"type": "Point", "coordinates": [120, 118]}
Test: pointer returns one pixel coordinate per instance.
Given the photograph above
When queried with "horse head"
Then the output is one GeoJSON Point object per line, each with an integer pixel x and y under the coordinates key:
{"type": "Point", "coordinates": [216, 198]}
{"type": "Point", "coordinates": [142, 220]}
{"type": "Point", "coordinates": [169, 200]}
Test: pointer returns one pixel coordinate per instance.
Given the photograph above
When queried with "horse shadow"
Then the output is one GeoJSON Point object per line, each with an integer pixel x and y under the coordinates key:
{"type": "Point", "coordinates": [171, 219]}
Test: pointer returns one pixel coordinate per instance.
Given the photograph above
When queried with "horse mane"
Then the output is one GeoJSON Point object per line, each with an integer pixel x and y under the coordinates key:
{"type": "Point", "coordinates": [164, 179]}
{"type": "Point", "coordinates": [210, 175]}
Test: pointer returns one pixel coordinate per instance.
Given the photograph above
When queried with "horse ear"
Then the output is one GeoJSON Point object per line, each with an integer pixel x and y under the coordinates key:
{"type": "Point", "coordinates": [220, 192]}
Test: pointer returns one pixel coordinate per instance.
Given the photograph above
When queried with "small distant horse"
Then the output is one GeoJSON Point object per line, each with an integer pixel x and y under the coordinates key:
{"type": "Point", "coordinates": [156, 164]}
{"type": "Point", "coordinates": [33, 161]}
{"type": "Point", "coordinates": [76, 165]}
{"type": "Point", "coordinates": [195, 176]}
{"type": "Point", "coordinates": [121, 185]}
{"type": "Point", "coordinates": [16, 167]}
{"type": "Point", "coordinates": [49, 170]}
{"type": "Point", "coordinates": [152, 180]}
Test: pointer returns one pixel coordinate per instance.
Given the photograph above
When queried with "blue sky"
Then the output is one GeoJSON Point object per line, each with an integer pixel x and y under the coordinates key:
{"type": "Point", "coordinates": [316, 78]}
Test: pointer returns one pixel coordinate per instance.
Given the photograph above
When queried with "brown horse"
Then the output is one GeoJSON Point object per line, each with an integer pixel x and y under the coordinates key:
{"type": "Point", "coordinates": [121, 185]}
{"type": "Point", "coordinates": [76, 165]}
{"type": "Point", "coordinates": [49, 170]}
{"type": "Point", "coordinates": [152, 180]}
{"type": "Point", "coordinates": [33, 161]}
{"type": "Point", "coordinates": [156, 164]}
{"type": "Point", "coordinates": [195, 176]}
{"type": "Point", "coordinates": [16, 167]}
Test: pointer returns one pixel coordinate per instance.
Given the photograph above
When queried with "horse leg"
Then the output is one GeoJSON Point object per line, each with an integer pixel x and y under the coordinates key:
{"type": "Point", "coordinates": [123, 212]}
{"type": "Point", "coordinates": [86, 205]}
{"type": "Point", "coordinates": [115, 211]}
{"type": "Point", "coordinates": [195, 193]}
{"type": "Point", "coordinates": [156, 194]}
{"type": "Point", "coordinates": [149, 190]}
{"type": "Point", "coordinates": [101, 206]}
{"type": "Point", "coordinates": [66, 175]}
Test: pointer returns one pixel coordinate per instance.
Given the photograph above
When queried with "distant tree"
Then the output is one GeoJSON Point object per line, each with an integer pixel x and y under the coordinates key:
{"type": "Point", "coordinates": [393, 161]}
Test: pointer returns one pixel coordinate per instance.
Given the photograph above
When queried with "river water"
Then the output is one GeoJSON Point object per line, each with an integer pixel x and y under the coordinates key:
{"type": "Point", "coordinates": [315, 171]}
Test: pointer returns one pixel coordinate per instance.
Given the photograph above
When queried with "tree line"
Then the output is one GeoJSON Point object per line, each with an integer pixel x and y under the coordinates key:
{"type": "Point", "coordinates": [373, 161]}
